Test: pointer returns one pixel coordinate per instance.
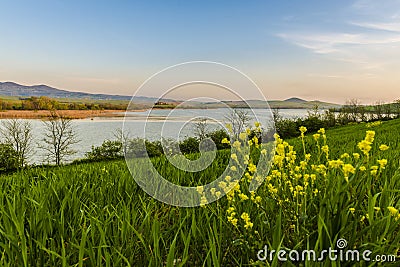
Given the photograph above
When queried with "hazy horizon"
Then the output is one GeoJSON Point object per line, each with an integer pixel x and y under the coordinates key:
{"type": "Point", "coordinates": [327, 51]}
{"type": "Point", "coordinates": [177, 99]}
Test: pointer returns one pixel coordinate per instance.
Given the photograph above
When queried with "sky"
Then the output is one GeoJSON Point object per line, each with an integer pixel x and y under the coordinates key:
{"type": "Point", "coordinates": [326, 50]}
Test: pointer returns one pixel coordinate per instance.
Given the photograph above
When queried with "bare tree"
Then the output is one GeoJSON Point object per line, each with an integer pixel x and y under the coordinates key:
{"type": "Point", "coordinates": [238, 120]}
{"type": "Point", "coordinates": [59, 137]}
{"type": "Point", "coordinates": [353, 108]}
{"type": "Point", "coordinates": [122, 137]}
{"type": "Point", "coordinates": [276, 115]}
{"type": "Point", "coordinates": [18, 133]}
{"type": "Point", "coordinates": [378, 109]}
{"type": "Point", "coordinates": [313, 112]}
{"type": "Point", "coordinates": [388, 111]}
{"type": "Point", "coordinates": [201, 128]}
{"type": "Point", "coordinates": [397, 108]}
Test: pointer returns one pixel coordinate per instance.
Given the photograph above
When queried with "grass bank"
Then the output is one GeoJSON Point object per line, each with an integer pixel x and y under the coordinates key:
{"type": "Point", "coordinates": [94, 214]}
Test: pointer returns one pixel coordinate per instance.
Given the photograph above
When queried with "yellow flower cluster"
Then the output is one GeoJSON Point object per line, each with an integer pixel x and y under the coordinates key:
{"type": "Point", "coordinates": [394, 212]}
{"type": "Point", "coordinates": [373, 124]}
{"type": "Point", "coordinates": [246, 218]}
{"type": "Point", "coordinates": [231, 216]}
{"type": "Point", "coordinates": [383, 147]}
{"type": "Point", "coordinates": [365, 145]}
{"type": "Point", "coordinates": [294, 182]}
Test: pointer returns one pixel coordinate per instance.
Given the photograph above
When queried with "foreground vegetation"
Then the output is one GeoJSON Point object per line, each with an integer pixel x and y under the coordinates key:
{"type": "Point", "coordinates": [94, 214]}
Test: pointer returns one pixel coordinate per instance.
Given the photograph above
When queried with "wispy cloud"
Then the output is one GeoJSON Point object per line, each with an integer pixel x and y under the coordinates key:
{"type": "Point", "coordinates": [384, 26]}
{"type": "Point", "coordinates": [324, 43]}
{"type": "Point", "coordinates": [370, 39]}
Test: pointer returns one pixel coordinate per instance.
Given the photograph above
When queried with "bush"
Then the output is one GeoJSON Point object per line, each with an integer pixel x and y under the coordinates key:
{"type": "Point", "coordinates": [8, 158]}
{"type": "Point", "coordinates": [189, 145]}
{"type": "Point", "coordinates": [107, 151]}
{"type": "Point", "coordinates": [154, 149]}
{"type": "Point", "coordinates": [217, 137]}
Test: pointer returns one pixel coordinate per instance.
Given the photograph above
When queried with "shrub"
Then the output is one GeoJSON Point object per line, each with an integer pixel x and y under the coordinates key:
{"type": "Point", "coordinates": [154, 149]}
{"type": "Point", "coordinates": [8, 158]}
{"type": "Point", "coordinates": [217, 137]}
{"type": "Point", "coordinates": [108, 150]}
{"type": "Point", "coordinates": [189, 145]}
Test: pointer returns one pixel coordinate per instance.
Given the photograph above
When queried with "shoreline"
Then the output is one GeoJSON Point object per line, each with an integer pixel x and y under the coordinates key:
{"type": "Point", "coordinates": [82, 114]}
{"type": "Point", "coordinates": [72, 114]}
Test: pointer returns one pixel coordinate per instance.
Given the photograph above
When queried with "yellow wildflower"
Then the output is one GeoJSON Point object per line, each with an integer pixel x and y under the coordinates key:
{"type": "Point", "coordinates": [325, 149]}
{"type": "Point", "coordinates": [212, 191]}
{"type": "Point", "coordinates": [203, 201]}
{"type": "Point", "coordinates": [383, 147]}
{"type": "Point", "coordinates": [252, 168]}
{"type": "Point", "coordinates": [382, 163]}
{"type": "Point", "coordinates": [370, 136]}
{"type": "Point", "coordinates": [230, 210]}
{"type": "Point", "coordinates": [347, 169]}
{"type": "Point", "coordinates": [345, 156]}
{"type": "Point", "coordinates": [243, 196]}
{"type": "Point", "coordinates": [335, 163]}
{"type": "Point", "coordinates": [303, 129]}
{"type": "Point", "coordinates": [200, 189]}
{"type": "Point", "coordinates": [229, 127]}
{"type": "Point", "coordinates": [255, 140]}
{"type": "Point", "coordinates": [225, 141]}
{"type": "Point", "coordinates": [222, 184]}
{"type": "Point", "coordinates": [315, 192]}
{"type": "Point", "coordinates": [393, 211]}
{"type": "Point", "coordinates": [364, 146]}
{"type": "Point", "coordinates": [243, 136]}
{"type": "Point", "coordinates": [234, 157]}
{"type": "Point", "coordinates": [236, 144]}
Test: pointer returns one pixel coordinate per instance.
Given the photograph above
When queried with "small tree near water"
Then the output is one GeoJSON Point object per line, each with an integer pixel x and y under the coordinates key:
{"type": "Point", "coordinates": [59, 137]}
{"type": "Point", "coordinates": [18, 134]}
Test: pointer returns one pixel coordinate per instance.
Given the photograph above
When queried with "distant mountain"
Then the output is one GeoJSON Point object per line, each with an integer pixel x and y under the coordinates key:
{"type": "Point", "coordinates": [291, 103]}
{"type": "Point", "coordinates": [14, 89]}
{"type": "Point", "coordinates": [17, 90]}
{"type": "Point", "coordinates": [296, 100]}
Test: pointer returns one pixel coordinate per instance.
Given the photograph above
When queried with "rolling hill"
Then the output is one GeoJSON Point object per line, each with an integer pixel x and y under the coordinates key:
{"type": "Point", "coordinates": [15, 90]}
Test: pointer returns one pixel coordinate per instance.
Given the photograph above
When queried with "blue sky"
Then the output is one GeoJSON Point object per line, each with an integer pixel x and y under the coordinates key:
{"type": "Point", "coordinates": [327, 50]}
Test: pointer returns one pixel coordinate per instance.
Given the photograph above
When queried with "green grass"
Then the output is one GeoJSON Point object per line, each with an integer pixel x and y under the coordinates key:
{"type": "Point", "coordinates": [95, 214]}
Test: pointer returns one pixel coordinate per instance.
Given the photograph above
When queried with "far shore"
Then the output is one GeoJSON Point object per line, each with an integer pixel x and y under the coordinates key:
{"type": "Point", "coordinates": [72, 114]}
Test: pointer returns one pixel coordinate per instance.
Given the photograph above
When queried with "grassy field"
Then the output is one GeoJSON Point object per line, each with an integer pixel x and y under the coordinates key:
{"type": "Point", "coordinates": [95, 214]}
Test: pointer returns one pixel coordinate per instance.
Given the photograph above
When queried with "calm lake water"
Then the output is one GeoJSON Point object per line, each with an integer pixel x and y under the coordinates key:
{"type": "Point", "coordinates": [176, 124]}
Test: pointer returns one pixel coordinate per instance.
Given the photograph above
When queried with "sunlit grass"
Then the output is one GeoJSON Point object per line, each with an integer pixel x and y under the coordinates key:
{"type": "Point", "coordinates": [95, 214]}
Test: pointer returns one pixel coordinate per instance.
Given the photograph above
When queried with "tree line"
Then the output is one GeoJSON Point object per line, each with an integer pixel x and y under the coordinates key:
{"type": "Point", "coordinates": [47, 103]}
{"type": "Point", "coordinates": [17, 144]}
{"type": "Point", "coordinates": [352, 112]}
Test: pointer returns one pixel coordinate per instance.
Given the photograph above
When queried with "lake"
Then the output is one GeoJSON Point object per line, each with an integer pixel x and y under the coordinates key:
{"type": "Point", "coordinates": [176, 124]}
